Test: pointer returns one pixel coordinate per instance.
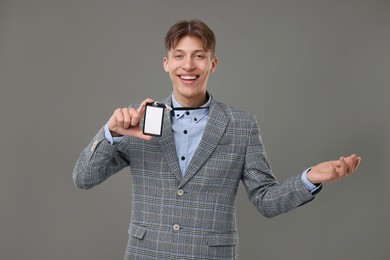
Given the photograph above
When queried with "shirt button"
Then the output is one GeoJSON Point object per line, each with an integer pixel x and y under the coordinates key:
{"type": "Point", "coordinates": [195, 119]}
{"type": "Point", "coordinates": [182, 158]}
{"type": "Point", "coordinates": [185, 132]}
{"type": "Point", "coordinates": [187, 113]}
{"type": "Point", "coordinates": [180, 192]}
{"type": "Point", "coordinates": [176, 227]}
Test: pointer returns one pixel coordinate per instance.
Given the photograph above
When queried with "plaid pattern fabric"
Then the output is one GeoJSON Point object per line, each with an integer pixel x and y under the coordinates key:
{"type": "Point", "coordinates": [192, 217]}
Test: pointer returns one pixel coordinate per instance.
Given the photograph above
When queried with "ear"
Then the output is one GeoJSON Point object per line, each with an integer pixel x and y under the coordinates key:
{"type": "Point", "coordinates": [165, 64]}
{"type": "Point", "coordinates": [214, 63]}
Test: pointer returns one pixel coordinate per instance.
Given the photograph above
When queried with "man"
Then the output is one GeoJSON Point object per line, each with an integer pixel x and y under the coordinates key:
{"type": "Point", "coordinates": [184, 183]}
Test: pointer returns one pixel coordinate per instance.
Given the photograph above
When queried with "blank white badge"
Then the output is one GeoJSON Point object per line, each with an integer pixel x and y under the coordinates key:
{"type": "Point", "coordinates": [153, 120]}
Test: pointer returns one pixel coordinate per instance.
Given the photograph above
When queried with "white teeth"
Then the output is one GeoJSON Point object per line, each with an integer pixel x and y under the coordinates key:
{"type": "Point", "coordinates": [188, 77]}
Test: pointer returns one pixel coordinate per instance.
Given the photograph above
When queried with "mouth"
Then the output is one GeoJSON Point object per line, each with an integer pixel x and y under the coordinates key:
{"type": "Point", "coordinates": [188, 77]}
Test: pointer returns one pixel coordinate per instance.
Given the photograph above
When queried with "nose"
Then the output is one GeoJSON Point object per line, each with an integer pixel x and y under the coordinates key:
{"type": "Point", "coordinates": [188, 64]}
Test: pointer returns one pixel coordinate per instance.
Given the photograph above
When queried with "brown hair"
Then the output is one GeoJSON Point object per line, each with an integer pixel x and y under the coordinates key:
{"type": "Point", "coordinates": [195, 28]}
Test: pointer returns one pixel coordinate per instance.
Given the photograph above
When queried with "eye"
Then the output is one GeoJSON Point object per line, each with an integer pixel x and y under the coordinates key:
{"type": "Point", "coordinates": [178, 56]}
{"type": "Point", "coordinates": [199, 56]}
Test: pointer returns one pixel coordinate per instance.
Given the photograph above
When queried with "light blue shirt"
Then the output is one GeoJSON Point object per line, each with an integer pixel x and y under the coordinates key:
{"type": "Point", "coordinates": [188, 127]}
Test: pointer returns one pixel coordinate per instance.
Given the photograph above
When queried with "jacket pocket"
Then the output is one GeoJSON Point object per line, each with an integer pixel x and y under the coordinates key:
{"type": "Point", "coordinates": [137, 231]}
{"type": "Point", "coordinates": [230, 239]}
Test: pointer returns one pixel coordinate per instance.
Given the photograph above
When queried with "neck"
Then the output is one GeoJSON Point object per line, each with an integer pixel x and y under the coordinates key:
{"type": "Point", "coordinates": [193, 102]}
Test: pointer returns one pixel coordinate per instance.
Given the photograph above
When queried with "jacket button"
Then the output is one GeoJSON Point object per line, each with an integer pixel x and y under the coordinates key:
{"type": "Point", "coordinates": [180, 192]}
{"type": "Point", "coordinates": [176, 227]}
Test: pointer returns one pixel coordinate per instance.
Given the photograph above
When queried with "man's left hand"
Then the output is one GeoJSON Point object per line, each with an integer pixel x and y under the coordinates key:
{"type": "Point", "coordinates": [333, 170]}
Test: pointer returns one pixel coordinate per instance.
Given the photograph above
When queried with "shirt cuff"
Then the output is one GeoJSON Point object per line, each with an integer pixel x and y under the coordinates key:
{"type": "Point", "coordinates": [109, 138]}
{"type": "Point", "coordinates": [310, 186]}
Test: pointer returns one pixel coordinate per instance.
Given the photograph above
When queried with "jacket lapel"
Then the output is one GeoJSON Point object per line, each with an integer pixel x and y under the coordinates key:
{"type": "Point", "coordinates": [167, 143]}
{"type": "Point", "coordinates": [214, 130]}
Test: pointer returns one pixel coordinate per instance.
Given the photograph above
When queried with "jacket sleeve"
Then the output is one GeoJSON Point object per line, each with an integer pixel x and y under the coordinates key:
{"type": "Point", "coordinates": [263, 189]}
{"type": "Point", "coordinates": [98, 161]}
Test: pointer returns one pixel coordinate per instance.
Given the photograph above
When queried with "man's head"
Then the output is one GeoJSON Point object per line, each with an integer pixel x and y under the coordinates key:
{"type": "Point", "coordinates": [189, 61]}
{"type": "Point", "coordinates": [194, 28]}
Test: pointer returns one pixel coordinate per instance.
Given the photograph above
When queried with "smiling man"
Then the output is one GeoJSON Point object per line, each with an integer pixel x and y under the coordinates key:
{"type": "Point", "coordinates": [184, 183]}
{"type": "Point", "coordinates": [189, 64]}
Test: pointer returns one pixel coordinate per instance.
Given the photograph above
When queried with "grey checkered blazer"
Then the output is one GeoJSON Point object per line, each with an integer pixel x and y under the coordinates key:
{"type": "Point", "coordinates": [191, 217]}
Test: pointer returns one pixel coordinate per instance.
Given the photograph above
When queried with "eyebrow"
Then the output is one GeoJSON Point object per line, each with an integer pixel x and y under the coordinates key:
{"type": "Point", "coordinates": [195, 51]}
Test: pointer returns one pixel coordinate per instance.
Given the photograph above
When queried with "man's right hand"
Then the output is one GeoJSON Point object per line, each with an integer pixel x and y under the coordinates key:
{"type": "Point", "coordinates": [126, 121]}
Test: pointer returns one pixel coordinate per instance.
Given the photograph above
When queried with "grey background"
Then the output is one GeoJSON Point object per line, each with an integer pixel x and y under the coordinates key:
{"type": "Point", "coordinates": [315, 73]}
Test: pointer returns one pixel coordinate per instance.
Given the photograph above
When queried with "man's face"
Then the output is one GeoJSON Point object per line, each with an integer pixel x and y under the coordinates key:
{"type": "Point", "coordinates": [189, 67]}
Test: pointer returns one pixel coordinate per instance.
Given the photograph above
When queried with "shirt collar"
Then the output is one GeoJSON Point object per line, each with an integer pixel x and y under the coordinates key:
{"type": "Point", "coordinates": [195, 113]}
{"type": "Point", "coordinates": [176, 104]}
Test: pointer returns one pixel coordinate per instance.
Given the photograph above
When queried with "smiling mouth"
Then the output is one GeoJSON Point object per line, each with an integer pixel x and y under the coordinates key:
{"type": "Point", "coordinates": [188, 77]}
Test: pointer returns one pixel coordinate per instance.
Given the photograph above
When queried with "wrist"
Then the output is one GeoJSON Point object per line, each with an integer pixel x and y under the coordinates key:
{"type": "Point", "coordinates": [313, 188]}
{"type": "Point", "coordinates": [114, 134]}
{"type": "Point", "coordinates": [309, 177]}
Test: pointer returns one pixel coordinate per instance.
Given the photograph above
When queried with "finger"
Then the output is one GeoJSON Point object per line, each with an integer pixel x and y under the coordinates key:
{"type": "Point", "coordinates": [126, 118]}
{"type": "Point", "coordinates": [118, 117]}
{"type": "Point", "coordinates": [134, 117]}
{"type": "Point", "coordinates": [335, 164]}
{"type": "Point", "coordinates": [348, 163]}
{"type": "Point", "coordinates": [343, 169]}
{"type": "Point", "coordinates": [352, 163]}
{"type": "Point", "coordinates": [141, 108]}
{"type": "Point", "coordinates": [352, 166]}
{"type": "Point", "coordinates": [140, 135]}
{"type": "Point", "coordinates": [357, 163]}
